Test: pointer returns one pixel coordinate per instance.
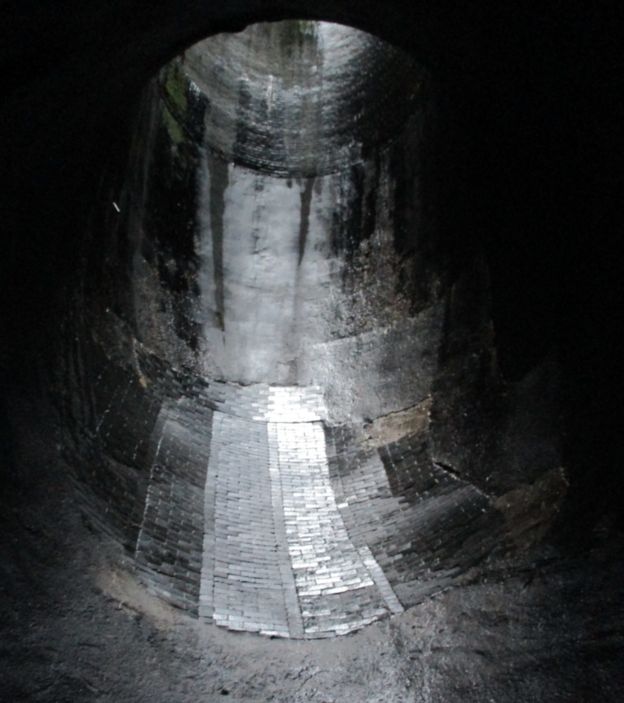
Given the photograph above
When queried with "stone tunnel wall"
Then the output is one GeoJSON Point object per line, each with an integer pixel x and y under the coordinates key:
{"type": "Point", "coordinates": [260, 362]}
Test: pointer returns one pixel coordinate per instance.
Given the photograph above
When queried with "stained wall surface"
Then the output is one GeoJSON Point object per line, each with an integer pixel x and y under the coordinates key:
{"type": "Point", "coordinates": [285, 330]}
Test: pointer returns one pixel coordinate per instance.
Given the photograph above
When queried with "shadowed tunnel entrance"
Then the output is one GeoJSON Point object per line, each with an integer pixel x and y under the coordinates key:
{"type": "Point", "coordinates": [304, 341]}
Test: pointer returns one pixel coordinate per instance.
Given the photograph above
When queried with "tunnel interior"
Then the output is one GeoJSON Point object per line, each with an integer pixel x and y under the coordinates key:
{"type": "Point", "coordinates": [273, 346]}
{"type": "Point", "coordinates": [321, 352]}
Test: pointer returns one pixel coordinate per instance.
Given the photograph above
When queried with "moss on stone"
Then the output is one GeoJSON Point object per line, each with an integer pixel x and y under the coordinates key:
{"type": "Point", "coordinates": [173, 127]}
{"type": "Point", "coordinates": [175, 85]}
{"type": "Point", "coordinates": [175, 105]}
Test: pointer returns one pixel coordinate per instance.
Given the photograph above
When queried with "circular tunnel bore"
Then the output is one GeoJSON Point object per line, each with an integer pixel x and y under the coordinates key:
{"type": "Point", "coordinates": [272, 366]}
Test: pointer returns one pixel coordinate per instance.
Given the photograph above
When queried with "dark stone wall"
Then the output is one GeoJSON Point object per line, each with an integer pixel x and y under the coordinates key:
{"type": "Point", "coordinates": [197, 270]}
{"type": "Point", "coordinates": [534, 144]}
{"type": "Point", "coordinates": [529, 168]}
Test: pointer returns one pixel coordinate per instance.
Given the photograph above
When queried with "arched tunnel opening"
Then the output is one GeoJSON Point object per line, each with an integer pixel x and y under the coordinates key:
{"type": "Point", "coordinates": [307, 374]}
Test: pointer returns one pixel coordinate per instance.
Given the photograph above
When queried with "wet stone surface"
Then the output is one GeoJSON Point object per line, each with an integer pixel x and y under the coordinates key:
{"type": "Point", "coordinates": [278, 394]}
{"type": "Point", "coordinates": [523, 158]}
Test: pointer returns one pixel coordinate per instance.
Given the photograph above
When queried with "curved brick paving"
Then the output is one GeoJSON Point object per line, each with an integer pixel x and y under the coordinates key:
{"type": "Point", "coordinates": [277, 556]}
{"type": "Point", "coordinates": [242, 524]}
{"type": "Point", "coordinates": [259, 516]}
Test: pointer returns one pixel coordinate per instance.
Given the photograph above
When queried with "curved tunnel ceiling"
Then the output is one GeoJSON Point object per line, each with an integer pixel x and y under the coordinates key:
{"type": "Point", "coordinates": [280, 395]}
{"type": "Point", "coordinates": [301, 98]}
